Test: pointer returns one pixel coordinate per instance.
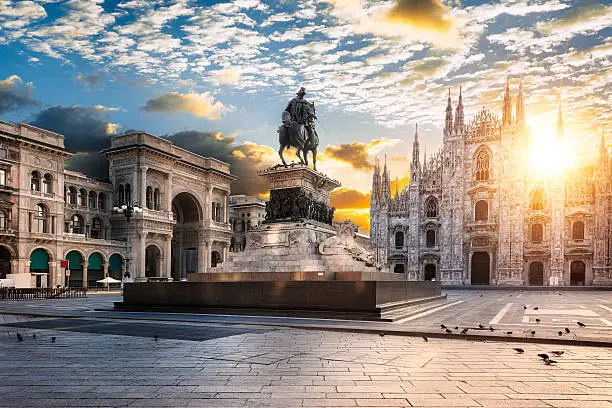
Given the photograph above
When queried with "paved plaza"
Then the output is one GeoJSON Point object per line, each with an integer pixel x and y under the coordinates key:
{"type": "Point", "coordinates": [101, 358]}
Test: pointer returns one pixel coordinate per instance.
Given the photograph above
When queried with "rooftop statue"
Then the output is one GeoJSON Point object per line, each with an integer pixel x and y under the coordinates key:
{"type": "Point", "coordinates": [298, 129]}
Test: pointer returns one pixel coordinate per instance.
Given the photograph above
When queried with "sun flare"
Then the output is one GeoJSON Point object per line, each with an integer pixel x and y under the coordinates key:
{"type": "Point", "coordinates": [549, 156]}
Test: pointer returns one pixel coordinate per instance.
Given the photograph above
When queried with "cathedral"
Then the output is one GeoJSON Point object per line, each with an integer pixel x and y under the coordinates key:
{"type": "Point", "coordinates": [475, 214]}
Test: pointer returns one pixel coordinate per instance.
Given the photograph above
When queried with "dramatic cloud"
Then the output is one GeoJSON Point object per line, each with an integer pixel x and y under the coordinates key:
{"type": "Point", "coordinates": [245, 159]}
{"type": "Point", "coordinates": [201, 105]}
{"type": "Point", "coordinates": [427, 14]}
{"type": "Point", "coordinates": [357, 154]}
{"type": "Point", "coordinates": [346, 197]}
{"type": "Point", "coordinates": [86, 132]}
{"type": "Point", "coordinates": [14, 95]}
{"type": "Point", "coordinates": [586, 17]}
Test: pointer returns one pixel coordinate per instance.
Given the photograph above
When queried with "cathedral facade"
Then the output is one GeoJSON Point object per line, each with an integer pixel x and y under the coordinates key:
{"type": "Point", "coordinates": [475, 214]}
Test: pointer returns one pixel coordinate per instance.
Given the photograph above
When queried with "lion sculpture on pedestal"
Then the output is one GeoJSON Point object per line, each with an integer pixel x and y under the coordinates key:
{"type": "Point", "coordinates": [343, 243]}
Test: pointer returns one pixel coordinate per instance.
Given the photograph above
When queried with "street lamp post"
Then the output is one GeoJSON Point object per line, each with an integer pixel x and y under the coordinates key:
{"type": "Point", "coordinates": [128, 210]}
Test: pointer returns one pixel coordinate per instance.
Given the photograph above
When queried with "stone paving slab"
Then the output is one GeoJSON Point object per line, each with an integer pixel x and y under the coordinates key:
{"type": "Point", "coordinates": [272, 367]}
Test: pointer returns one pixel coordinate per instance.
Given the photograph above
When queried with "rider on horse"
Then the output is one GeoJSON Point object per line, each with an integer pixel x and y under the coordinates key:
{"type": "Point", "coordinates": [301, 111]}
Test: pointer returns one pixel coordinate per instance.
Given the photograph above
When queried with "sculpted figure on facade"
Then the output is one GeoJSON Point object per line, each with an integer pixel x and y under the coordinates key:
{"type": "Point", "coordinates": [343, 243]}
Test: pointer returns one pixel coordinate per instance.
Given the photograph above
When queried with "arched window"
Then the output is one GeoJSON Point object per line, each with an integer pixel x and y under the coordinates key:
{"type": "Point", "coordinates": [399, 240]}
{"type": "Point", "coordinates": [128, 193]}
{"type": "Point", "coordinates": [431, 207]}
{"type": "Point", "coordinates": [92, 199]}
{"type": "Point", "coordinates": [40, 220]}
{"type": "Point", "coordinates": [76, 224]}
{"type": "Point", "coordinates": [482, 166]}
{"type": "Point", "coordinates": [35, 181]}
{"type": "Point", "coordinates": [149, 198]}
{"type": "Point", "coordinates": [248, 225]}
{"type": "Point", "coordinates": [430, 238]}
{"type": "Point", "coordinates": [537, 233]}
{"type": "Point", "coordinates": [578, 230]}
{"type": "Point", "coordinates": [48, 184]}
{"type": "Point", "coordinates": [156, 194]}
{"type": "Point", "coordinates": [82, 199]}
{"type": "Point", "coordinates": [3, 221]}
{"type": "Point", "coordinates": [121, 194]}
{"type": "Point", "coordinates": [101, 201]}
{"type": "Point", "coordinates": [537, 199]}
{"type": "Point", "coordinates": [72, 196]}
{"type": "Point", "coordinates": [96, 228]}
{"type": "Point", "coordinates": [481, 211]}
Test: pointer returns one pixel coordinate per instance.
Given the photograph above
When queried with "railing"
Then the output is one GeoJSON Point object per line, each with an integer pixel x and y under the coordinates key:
{"type": "Point", "coordinates": [41, 293]}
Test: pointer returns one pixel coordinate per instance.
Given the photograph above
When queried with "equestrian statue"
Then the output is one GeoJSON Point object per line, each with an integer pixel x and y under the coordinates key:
{"type": "Point", "coordinates": [298, 129]}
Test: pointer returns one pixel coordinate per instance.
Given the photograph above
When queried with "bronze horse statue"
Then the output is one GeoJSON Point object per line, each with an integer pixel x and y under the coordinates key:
{"type": "Point", "coordinates": [293, 134]}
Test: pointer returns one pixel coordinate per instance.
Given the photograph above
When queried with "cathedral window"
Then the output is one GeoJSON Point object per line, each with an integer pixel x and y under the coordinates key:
{"type": "Point", "coordinates": [399, 240]}
{"type": "Point", "coordinates": [578, 230]}
{"type": "Point", "coordinates": [430, 238]}
{"type": "Point", "coordinates": [481, 211]}
{"type": "Point", "coordinates": [537, 233]}
{"type": "Point", "coordinates": [537, 199]}
{"type": "Point", "coordinates": [431, 207]}
{"type": "Point", "coordinates": [482, 166]}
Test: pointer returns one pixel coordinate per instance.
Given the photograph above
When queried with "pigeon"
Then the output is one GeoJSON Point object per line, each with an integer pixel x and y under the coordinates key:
{"type": "Point", "coordinates": [456, 327]}
{"type": "Point", "coordinates": [52, 339]}
{"type": "Point", "coordinates": [34, 336]}
{"type": "Point", "coordinates": [519, 350]}
{"type": "Point", "coordinates": [480, 295]}
{"type": "Point", "coordinates": [557, 352]}
{"type": "Point", "coordinates": [448, 331]}
{"type": "Point", "coordinates": [464, 330]}
{"type": "Point", "coordinates": [156, 337]}
{"type": "Point", "coordinates": [491, 328]}
{"type": "Point", "coordinates": [581, 324]}
{"type": "Point", "coordinates": [536, 308]}
{"type": "Point", "coordinates": [443, 326]}
{"type": "Point", "coordinates": [543, 356]}
{"type": "Point", "coordinates": [508, 333]}
{"type": "Point", "coordinates": [19, 337]}
{"type": "Point", "coordinates": [425, 338]}
{"type": "Point", "coordinates": [381, 334]}
{"type": "Point", "coordinates": [533, 332]}
{"type": "Point", "coordinates": [567, 330]}
{"type": "Point", "coordinates": [524, 307]}
{"type": "Point", "coordinates": [538, 320]}
{"type": "Point", "coordinates": [548, 361]}
{"type": "Point", "coordinates": [481, 326]}
{"type": "Point", "coordinates": [560, 333]}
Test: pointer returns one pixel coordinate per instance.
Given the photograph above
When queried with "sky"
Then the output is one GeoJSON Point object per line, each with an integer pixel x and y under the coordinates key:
{"type": "Point", "coordinates": [214, 76]}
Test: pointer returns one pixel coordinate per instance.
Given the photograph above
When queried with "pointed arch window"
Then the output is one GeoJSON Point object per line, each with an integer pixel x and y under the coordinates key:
{"type": "Point", "coordinates": [482, 166]}
{"type": "Point", "coordinates": [537, 199]}
{"type": "Point", "coordinates": [431, 207]}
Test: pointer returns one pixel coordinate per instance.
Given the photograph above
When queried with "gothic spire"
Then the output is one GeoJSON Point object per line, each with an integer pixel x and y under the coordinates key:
{"type": "Point", "coordinates": [603, 154]}
{"type": "Point", "coordinates": [386, 187]}
{"type": "Point", "coordinates": [415, 166]}
{"type": "Point", "coordinates": [376, 183]}
{"type": "Point", "coordinates": [396, 187]}
{"type": "Point", "coordinates": [520, 105]}
{"type": "Point", "coordinates": [560, 133]}
{"type": "Point", "coordinates": [459, 115]}
{"type": "Point", "coordinates": [507, 111]}
{"type": "Point", "coordinates": [448, 122]}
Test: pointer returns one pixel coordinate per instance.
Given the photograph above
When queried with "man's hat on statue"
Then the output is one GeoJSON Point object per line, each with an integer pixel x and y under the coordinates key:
{"type": "Point", "coordinates": [302, 91]}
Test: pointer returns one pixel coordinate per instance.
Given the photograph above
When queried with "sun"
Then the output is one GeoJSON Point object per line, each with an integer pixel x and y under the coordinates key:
{"type": "Point", "coordinates": [549, 156]}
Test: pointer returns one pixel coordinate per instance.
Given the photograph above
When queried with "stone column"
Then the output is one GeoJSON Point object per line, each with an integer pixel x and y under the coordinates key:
{"type": "Point", "coordinates": [208, 256]}
{"type": "Point", "coordinates": [85, 274]}
{"type": "Point", "coordinates": [52, 274]}
{"type": "Point", "coordinates": [169, 193]}
{"type": "Point", "coordinates": [140, 258]}
{"type": "Point", "coordinates": [183, 264]}
{"type": "Point", "coordinates": [208, 203]}
{"type": "Point", "coordinates": [202, 256]}
{"type": "Point", "coordinates": [225, 248]}
{"type": "Point", "coordinates": [168, 250]}
{"type": "Point", "coordinates": [123, 268]}
{"type": "Point", "coordinates": [105, 267]}
{"type": "Point", "coordinates": [143, 186]}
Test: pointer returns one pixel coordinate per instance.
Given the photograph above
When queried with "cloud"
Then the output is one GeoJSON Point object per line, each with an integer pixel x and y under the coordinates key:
{"type": "Point", "coordinates": [357, 154]}
{"type": "Point", "coordinates": [14, 95]}
{"type": "Point", "coordinates": [425, 14]}
{"type": "Point", "coordinates": [86, 132]}
{"type": "Point", "coordinates": [347, 197]}
{"type": "Point", "coordinates": [201, 105]}
{"type": "Point", "coordinates": [89, 80]}
{"type": "Point", "coordinates": [228, 76]}
{"type": "Point", "coordinates": [245, 159]}
{"type": "Point", "coordinates": [586, 16]}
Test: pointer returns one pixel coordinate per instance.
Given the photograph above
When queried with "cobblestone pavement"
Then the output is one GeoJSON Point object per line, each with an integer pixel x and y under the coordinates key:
{"type": "Point", "coordinates": [246, 366]}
